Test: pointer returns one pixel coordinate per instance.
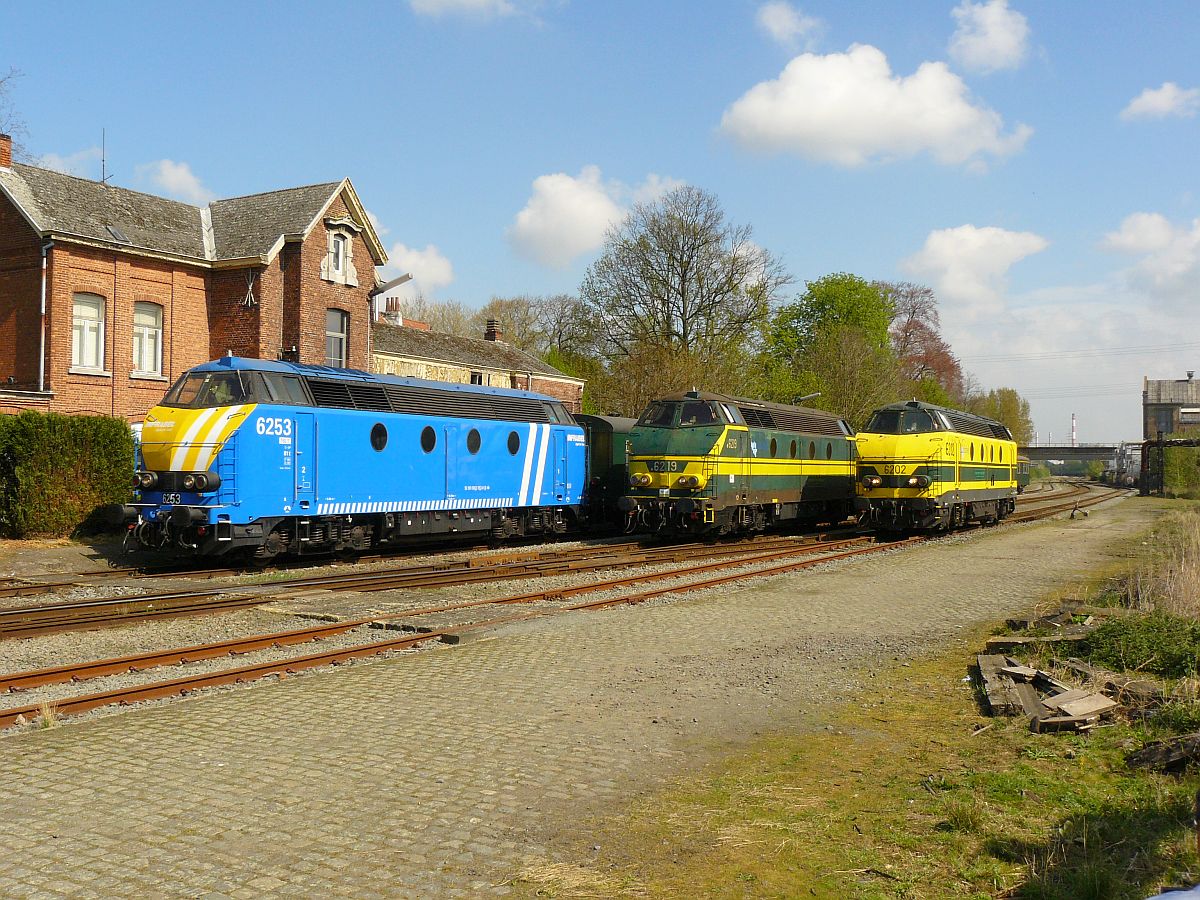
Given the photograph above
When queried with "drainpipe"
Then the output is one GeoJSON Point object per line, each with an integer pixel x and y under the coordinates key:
{"type": "Point", "coordinates": [42, 330]}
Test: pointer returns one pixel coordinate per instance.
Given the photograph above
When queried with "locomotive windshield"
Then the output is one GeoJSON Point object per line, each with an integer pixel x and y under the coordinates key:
{"type": "Point", "coordinates": [688, 414]}
{"type": "Point", "coordinates": [200, 390]}
{"type": "Point", "coordinates": [902, 421]}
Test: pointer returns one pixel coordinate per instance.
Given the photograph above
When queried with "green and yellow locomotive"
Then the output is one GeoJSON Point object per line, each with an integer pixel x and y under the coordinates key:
{"type": "Point", "coordinates": [702, 463]}
{"type": "Point", "coordinates": [927, 467]}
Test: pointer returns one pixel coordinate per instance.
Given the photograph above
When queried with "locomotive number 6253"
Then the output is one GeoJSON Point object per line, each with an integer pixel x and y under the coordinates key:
{"type": "Point", "coordinates": [273, 425]}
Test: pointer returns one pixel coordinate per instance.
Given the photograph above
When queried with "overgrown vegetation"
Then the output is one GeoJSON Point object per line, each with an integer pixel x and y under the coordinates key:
{"type": "Point", "coordinates": [1181, 470]}
{"type": "Point", "coordinates": [56, 471]}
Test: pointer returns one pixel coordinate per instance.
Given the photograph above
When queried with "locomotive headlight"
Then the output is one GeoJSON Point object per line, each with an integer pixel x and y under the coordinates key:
{"type": "Point", "coordinates": [201, 481]}
{"type": "Point", "coordinates": [871, 481]}
{"type": "Point", "coordinates": [639, 480]}
{"type": "Point", "coordinates": [189, 482]}
{"type": "Point", "coordinates": [918, 481]}
{"type": "Point", "coordinates": [147, 481]}
{"type": "Point", "coordinates": [688, 481]}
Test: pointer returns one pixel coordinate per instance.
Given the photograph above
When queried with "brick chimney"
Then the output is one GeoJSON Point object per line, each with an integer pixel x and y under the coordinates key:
{"type": "Point", "coordinates": [5, 151]}
{"type": "Point", "coordinates": [493, 332]}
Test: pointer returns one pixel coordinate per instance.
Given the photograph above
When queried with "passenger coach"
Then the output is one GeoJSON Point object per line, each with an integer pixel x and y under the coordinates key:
{"type": "Point", "coordinates": [926, 467]}
{"type": "Point", "coordinates": [270, 457]}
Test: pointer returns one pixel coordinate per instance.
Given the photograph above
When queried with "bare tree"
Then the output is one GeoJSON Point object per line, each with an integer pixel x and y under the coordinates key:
{"type": "Point", "coordinates": [676, 276]}
{"type": "Point", "coordinates": [445, 316]}
{"type": "Point", "coordinates": [11, 121]}
{"type": "Point", "coordinates": [519, 319]}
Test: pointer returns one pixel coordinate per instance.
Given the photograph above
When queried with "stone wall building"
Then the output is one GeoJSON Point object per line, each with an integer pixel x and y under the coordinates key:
{"type": "Point", "coordinates": [108, 294]}
{"type": "Point", "coordinates": [400, 347]}
{"type": "Point", "coordinates": [1170, 406]}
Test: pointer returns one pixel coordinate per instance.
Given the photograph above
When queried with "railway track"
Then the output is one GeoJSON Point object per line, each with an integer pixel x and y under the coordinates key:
{"type": "Point", "coordinates": [90, 614]}
{"type": "Point", "coordinates": [733, 563]}
{"type": "Point", "coordinates": [776, 562]}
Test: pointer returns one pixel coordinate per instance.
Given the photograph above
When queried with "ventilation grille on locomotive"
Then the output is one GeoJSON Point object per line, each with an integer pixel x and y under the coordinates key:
{"type": "Point", "coordinates": [792, 420]}
{"type": "Point", "coordinates": [425, 401]}
{"type": "Point", "coordinates": [977, 426]}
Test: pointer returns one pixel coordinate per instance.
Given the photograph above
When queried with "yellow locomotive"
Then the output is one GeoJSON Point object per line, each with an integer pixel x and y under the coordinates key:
{"type": "Point", "coordinates": [926, 467]}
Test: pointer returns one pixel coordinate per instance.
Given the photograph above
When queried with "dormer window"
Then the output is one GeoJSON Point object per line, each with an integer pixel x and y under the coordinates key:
{"type": "Point", "coordinates": [338, 263]}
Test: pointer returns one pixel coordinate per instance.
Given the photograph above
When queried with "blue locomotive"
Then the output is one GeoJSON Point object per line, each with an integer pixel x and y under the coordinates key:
{"type": "Point", "coordinates": [261, 458]}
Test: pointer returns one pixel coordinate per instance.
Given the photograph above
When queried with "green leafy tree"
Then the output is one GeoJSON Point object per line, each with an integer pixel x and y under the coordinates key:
{"type": "Point", "coordinates": [1007, 406]}
{"type": "Point", "coordinates": [835, 301]}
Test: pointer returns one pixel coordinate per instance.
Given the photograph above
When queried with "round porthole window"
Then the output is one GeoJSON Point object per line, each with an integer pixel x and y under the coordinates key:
{"type": "Point", "coordinates": [379, 436]}
{"type": "Point", "coordinates": [514, 442]}
{"type": "Point", "coordinates": [473, 441]}
{"type": "Point", "coordinates": [428, 439]}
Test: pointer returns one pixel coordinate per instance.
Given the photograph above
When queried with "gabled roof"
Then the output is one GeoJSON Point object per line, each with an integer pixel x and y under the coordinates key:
{"type": "Point", "coordinates": [451, 348]}
{"type": "Point", "coordinates": [65, 205]}
{"type": "Point", "coordinates": [240, 228]}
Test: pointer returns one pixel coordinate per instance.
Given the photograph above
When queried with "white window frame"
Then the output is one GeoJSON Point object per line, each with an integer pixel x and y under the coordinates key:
{"type": "Point", "coordinates": [338, 263]}
{"type": "Point", "coordinates": [87, 333]}
{"type": "Point", "coordinates": [148, 339]}
{"type": "Point", "coordinates": [343, 336]}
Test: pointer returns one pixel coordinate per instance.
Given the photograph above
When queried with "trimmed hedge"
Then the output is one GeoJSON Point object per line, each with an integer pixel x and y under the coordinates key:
{"type": "Point", "coordinates": [56, 471]}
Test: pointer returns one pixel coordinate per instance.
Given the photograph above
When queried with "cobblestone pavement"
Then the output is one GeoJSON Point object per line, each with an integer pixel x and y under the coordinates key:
{"type": "Point", "coordinates": [438, 774]}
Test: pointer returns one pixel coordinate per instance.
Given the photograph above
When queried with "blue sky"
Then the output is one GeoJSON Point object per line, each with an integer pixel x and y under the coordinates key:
{"type": "Point", "coordinates": [1035, 164]}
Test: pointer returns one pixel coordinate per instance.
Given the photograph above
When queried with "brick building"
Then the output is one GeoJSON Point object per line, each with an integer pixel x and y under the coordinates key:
{"type": "Point", "coordinates": [1170, 406]}
{"type": "Point", "coordinates": [107, 294]}
{"type": "Point", "coordinates": [404, 347]}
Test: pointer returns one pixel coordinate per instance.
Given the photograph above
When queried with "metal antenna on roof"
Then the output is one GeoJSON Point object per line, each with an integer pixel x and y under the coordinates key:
{"type": "Point", "coordinates": [103, 159]}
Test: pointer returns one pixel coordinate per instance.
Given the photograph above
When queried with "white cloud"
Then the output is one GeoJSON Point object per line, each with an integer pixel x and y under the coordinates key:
{"type": "Point", "coordinates": [1158, 103]}
{"type": "Point", "coordinates": [1169, 266]}
{"type": "Point", "coordinates": [785, 24]}
{"type": "Point", "coordinates": [380, 228]}
{"type": "Point", "coordinates": [84, 163]}
{"type": "Point", "coordinates": [430, 270]}
{"type": "Point", "coordinates": [968, 266]}
{"type": "Point", "coordinates": [478, 9]}
{"type": "Point", "coordinates": [174, 179]}
{"type": "Point", "coordinates": [989, 36]}
{"type": "Point", "coordinates": [568, 216]}
{"type": "Point", "coordinates": [848, 108]}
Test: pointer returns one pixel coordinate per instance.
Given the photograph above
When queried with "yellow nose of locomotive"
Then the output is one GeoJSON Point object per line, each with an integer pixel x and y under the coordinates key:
{"type": "Point", "coordinates": [188, 440]}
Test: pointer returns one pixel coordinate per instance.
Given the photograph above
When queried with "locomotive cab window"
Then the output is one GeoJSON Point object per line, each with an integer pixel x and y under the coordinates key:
{"type": "Point", "coordinates": [902, 421]}
{"type": "Point", "coordinates": [659, 415]}
{"type": "Point", "coordinates": [697, 412]}
{"type": "Point", "coordinates": [284, 389]}
{"type": "Point", "coordinates": [201, 390]}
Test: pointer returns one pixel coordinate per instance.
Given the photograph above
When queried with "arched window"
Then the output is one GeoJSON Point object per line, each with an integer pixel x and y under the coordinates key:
{"type": "Point", "coordinates": [87, 332]}
{"type": "Point", "coordinates": [147, 339]}
{"type": "Point", "coordinates": [337, 337]}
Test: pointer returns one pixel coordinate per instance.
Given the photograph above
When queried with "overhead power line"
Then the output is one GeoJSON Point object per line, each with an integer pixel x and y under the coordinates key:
{"type": "Point", "coordinates": [1084, 353]}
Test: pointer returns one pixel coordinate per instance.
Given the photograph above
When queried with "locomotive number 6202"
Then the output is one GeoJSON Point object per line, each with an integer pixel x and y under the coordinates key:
{"type": "Point", "coordinates": [274, 425]}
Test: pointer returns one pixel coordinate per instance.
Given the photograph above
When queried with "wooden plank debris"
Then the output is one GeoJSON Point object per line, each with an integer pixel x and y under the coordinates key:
{"type": "Point", "coordinates": [1000, 691]}
{"type": "Point", "coordinates": [1091, 705]}
{"type": "Point", "coordinates": [1000, 643]}
{"type": "Point", "coordinates": [1130, 691]}
{"type": "Point", "coordinates": [1171, 754]}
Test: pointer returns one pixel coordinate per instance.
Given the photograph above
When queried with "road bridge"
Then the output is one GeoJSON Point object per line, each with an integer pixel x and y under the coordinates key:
{"type": "Point", "coordinates": [1082, 452]}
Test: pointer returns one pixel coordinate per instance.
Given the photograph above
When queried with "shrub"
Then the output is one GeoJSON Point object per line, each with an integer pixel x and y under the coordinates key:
{"type": "Point", "coordinates": [56, 471]}
{"type": "Point", "coordinates": [1159, 644]}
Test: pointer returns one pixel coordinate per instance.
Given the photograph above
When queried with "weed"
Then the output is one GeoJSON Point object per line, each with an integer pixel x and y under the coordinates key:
{"type": "Point", "coordinates": [48, 715]}
{"type": "Point", "coordinates": [1160, 644]}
